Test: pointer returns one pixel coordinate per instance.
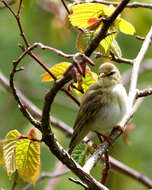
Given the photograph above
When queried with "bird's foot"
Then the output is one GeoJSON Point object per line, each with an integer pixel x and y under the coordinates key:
{"type": "Point", "coordinates": [122, 129]}
{"type": "Point", "coordinates": [103, 137]}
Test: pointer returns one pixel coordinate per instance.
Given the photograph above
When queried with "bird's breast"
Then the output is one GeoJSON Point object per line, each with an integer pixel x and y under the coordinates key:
{"type": "Point", "coordinates": [113, 108]}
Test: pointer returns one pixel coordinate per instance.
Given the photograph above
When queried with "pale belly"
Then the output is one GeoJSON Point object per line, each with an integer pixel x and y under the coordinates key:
{"type": "Point", "coordinates": [108, 117]}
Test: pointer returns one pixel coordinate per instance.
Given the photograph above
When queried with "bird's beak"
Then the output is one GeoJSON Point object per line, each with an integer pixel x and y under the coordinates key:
{"type": "Point", "coordinates": [102, 75]}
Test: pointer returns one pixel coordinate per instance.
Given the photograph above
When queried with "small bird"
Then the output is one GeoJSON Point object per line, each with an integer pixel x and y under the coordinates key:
{"type": "Point", "coordinates": [102, 107]}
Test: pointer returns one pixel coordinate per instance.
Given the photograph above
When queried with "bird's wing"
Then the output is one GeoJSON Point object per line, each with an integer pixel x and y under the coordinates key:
{"type": "Point", "coordinates": [90, 105]}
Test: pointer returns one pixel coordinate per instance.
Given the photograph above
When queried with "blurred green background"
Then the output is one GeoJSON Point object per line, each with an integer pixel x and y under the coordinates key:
{"type": "Point", "coordinates": [43, 21]}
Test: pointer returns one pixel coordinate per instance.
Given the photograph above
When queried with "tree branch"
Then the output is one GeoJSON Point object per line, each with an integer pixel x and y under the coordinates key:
{"type": "Point", "coordinates": [33, 109]}
{"type": "Point", "coordinates": [116, 165]}
{"type": "Point", "coordinates": [143, 93]}
{"type": "Point", "coordinates": [102, 33]}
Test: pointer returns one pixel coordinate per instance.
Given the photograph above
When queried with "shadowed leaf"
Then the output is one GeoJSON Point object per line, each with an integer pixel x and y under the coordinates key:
{"type": "Point", "coordinates": [80, 153]}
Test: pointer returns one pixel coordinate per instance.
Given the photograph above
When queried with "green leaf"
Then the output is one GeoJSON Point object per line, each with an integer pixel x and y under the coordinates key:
{"type": "Point", "coordinates": [83, 40]}
{"type": "Point", "coordinates": [9, 147]}
{"type": "Point", "coordinates": [28, 159]}
{"type": "Point", "coordinates": [126, 27]}
{"type": "Point", "coordinates": [80, 153]}
{"type": "Point", "coordinates": [57, 70]}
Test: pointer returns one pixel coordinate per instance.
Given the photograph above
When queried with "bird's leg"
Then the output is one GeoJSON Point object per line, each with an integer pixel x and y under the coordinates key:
{"type": "Point", "coordinates": [103, 137]}
{"type": "Point", "coordinates": [106, 168]}
{"type": "Point", "coordinates": [106, 160]}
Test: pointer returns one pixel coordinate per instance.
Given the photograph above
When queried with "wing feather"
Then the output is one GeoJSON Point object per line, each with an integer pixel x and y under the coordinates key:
{"type": "Point", "coordinates": [90, 105]}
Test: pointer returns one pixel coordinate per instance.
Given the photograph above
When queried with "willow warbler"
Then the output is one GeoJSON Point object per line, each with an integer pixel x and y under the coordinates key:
{"type": "Point", "coordinates": [102, 107]}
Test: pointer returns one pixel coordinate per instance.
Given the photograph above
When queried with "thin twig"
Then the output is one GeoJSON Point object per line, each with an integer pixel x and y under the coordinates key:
{"type": "Point", "coordinates": [65, 6]}
{"type": "Point", "coordinates": [78, 182]}
{"type": "Point", "coordinates": [130, 5]}
{"type": "Point", "coordinates": [10, 2]}
{"type": "Point", "coordinates": [46, 176]}
{"type": "Point", "coordinates": [33, 109]}
{"type": "Point", "coordinates": [21, 106]}
{"type": "Point", "coordinates": [118, 166]}
{"type": "Point", "coordinates": [70, 95]}
{"type": "Point", "coordinates": [115, 58]}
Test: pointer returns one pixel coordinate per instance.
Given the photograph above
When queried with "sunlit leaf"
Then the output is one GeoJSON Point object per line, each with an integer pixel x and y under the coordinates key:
{"type": "Point", "coordinates": [89, 79]}
{"type": "Point", "coordinates": [81, 14]}
{"type": "Point", "coordinates": [126, 27]}
{"type": "Point", "coordinates": [28, 159]}
{"type": "Point", "coordinates": [1, 153]}
{"type": "Point", "coordinates": [9, 147]}
{"type": "Point", "coordinates": [106, 43]}
{"type": "Point", "coordinates": [57, 70]}
{"type": "Point", "coordinates": [84, 38]}
{"type": "Point", "coordinates": [115, 47]}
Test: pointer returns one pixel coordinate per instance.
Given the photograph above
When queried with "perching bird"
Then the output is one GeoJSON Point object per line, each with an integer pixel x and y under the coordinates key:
{"type": "Point", "coordinates": [102, 107]}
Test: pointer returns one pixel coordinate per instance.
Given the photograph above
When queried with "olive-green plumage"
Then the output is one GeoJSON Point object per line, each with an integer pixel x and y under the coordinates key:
{"type": "Point", "coordinates": [102, 107]}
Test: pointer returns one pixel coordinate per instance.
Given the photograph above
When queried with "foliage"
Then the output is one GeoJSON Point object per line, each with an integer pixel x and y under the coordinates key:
{"type": "Point", "coordinates": [58, 71]}
{"type": "Point", "coordinates": [21, 153]}
{"type": "Point", "coordinates": [89, 17]}
{"type": "Point", "coordinates": [93, 24]}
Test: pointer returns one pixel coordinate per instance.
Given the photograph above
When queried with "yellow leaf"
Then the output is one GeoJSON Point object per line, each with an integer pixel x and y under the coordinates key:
{"type": "Point", "coordinates": [1, 153]}
{"type": "Point", "coordinates": [126, 27]}
{"type": "Point", "coordinates": [57, 70]}
{"type": "Point", "coordinates": [108, 10]}
{"type": "Point", "coordinates": [89, 79]}
{"type": "Point", "coordinates": [9, 146]}
{"type": "Point", "coordinates": [28, 159]}
{"type": "Point", "coordinates": [81, 13]}
{"type": "Point", "coordinates": [106, 43]}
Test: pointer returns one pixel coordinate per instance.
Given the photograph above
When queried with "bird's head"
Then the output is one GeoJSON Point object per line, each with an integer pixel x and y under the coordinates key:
{"type": "Point", "coordinates": [109, 75]}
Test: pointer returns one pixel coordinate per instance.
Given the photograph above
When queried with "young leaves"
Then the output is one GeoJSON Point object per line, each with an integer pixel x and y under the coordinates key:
{"type": "Point", "coordinates": [59, 69]}
{"type": "Point", "coordinates": [90, 17]}
{"type": "Point", "coordinates": [81, 14]}
{"type": "Point", "coordinates": [21, 153]}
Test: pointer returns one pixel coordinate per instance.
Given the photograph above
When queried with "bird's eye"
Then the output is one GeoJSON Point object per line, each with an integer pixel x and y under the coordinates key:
{"type": "Point", "coordinates": [111, 73]}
